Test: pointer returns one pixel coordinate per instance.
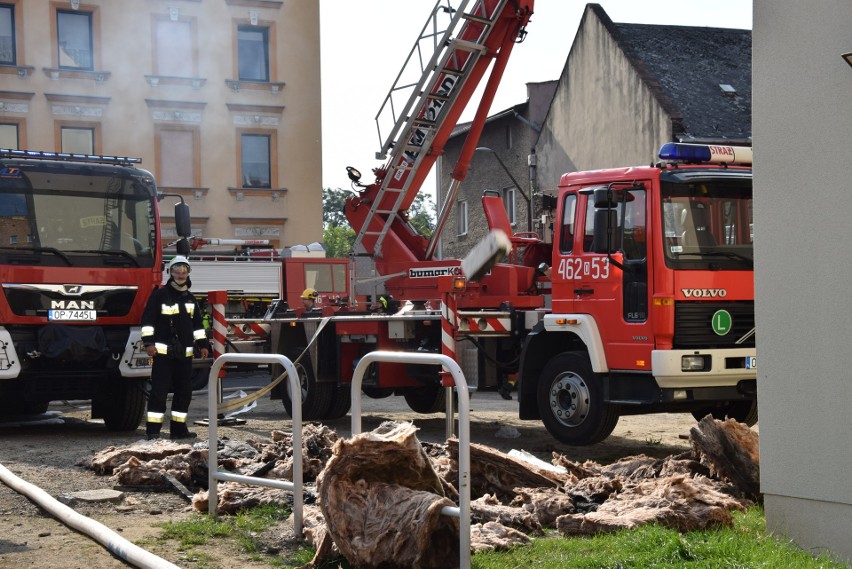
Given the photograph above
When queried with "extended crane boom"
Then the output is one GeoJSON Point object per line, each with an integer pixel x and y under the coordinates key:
{"type": "Point", "coordinates": [488, 30]}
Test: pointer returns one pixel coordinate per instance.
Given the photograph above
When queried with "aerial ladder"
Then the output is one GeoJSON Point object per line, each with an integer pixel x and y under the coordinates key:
{"type": "Point", "coordinates": [448, 61]}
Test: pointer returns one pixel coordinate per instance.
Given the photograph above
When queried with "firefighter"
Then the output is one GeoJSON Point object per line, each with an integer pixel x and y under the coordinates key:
{"type": "Point", "coordinates": [309, 299]}
{"type": "Point", "coordinates": [171, 329]}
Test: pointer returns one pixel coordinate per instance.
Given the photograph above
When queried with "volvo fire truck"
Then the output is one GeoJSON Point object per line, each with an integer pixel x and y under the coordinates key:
{"type": "Point", "coordinates": [642, 302]}
{"type": "Point", "coordinates": [80, 253]}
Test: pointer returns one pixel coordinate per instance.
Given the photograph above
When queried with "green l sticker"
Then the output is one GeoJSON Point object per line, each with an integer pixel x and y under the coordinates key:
{"type": "Point", "coordinates": [722, 322]}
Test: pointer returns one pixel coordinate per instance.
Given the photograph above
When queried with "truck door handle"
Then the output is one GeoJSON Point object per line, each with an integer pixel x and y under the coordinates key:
{"type": "Point", "coordinates": [584, 291]}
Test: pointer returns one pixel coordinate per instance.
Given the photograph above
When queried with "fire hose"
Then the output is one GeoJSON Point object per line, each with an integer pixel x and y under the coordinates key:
{"type": "Point", "coordinates": [114, 543]}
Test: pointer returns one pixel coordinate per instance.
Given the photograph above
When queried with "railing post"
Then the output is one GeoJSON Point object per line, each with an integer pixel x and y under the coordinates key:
{"type": "Point", "coordinates": [451, 366]}
{"type": "Point", "coordinates": [213, 474]}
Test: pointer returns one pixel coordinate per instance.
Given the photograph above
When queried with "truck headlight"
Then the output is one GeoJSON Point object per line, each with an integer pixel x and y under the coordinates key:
{"type": "Point", "coordinates": [694, 363]}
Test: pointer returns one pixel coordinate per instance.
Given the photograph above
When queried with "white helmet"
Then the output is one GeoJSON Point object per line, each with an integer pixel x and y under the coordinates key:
{"type": "Point", "coordinates": [179, 260]}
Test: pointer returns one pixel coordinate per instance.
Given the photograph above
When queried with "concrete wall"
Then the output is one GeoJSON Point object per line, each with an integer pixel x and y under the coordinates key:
{"type": "Point", "coordinates": [128, 107]}
{"type": "Point", "coordinates": [803, 241]}
{"type": "Point", "coordinates": [602, 115]}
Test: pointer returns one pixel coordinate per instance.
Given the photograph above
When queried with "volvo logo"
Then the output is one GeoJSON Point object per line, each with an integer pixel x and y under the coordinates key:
{"type": "Point", "coordinates": [72, 289]}
{"type": "Point", "coordinates": [704, 292]}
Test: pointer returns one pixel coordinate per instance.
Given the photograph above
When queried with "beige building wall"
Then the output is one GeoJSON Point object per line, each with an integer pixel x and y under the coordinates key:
{"type": "Point", "coordinates": [623, 123]}
{"type": "Point", "coordinates": [164, 86]}
{"type": "Point", "coordinates": [802, 122]}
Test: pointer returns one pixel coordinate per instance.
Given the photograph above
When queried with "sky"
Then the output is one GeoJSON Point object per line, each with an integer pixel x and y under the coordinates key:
{"type": "Point", "coordinates": [364, 44]}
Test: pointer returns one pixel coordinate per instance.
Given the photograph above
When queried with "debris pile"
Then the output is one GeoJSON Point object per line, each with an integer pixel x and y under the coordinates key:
{"type": "Point", "coordinates": [380, 494]}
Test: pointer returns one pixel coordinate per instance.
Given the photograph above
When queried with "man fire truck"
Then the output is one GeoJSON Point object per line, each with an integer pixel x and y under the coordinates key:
{"type": "Point", "coordinates": [81, 253]}
{"type": "Point", "coordinates": [649, 274]}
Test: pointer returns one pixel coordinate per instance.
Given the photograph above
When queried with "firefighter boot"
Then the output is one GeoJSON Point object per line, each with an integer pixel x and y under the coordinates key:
{"type": "Point", "coordinates": [152, 431]}
{"type": "Point", "coordinates": [177, 427]}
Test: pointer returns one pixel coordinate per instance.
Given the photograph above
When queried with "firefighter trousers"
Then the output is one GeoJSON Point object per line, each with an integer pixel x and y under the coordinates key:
{"type": "Point", "coordinates": [169, 375]}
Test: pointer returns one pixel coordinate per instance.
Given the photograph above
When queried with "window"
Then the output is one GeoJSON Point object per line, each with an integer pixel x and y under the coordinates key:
{"type": "Point", "coordinates": [630, 232]}
{"type": "Point", "coordinates": [509, 203]}
{"type": "Point", "coordinates": [8, 50]}
{"type": "Point", "coordinates": [74, 40]}
{"type": "Point", "coordinates": [256, 160]}
{"type": "Point", "coordinates": [461, 217]}
{"type": "Point", "coordinates": [178, 156]}
{"type": "Point", "coordinates": [175, 53]}
{"type": "Point", "coordinates": [253, 53]}
{"type": "Point", "coordinates": [9, 136]}
{"type": "Point", "coordinates": [566, 235]}
{"type": "Point", "coordinates": [78, 138]}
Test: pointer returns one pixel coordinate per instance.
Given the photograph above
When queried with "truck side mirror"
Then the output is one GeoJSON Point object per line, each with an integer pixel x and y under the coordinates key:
{"type": "Point", "coordinates": [611, 197]}
{"type": "Point", "coordinates": [606, 232]}
{"type": "Point", "coordinates": [182, 221]}
{"type": "Point", "coordinates": [182, 247]}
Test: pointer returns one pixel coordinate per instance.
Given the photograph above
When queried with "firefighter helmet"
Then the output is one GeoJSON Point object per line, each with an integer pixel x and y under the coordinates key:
{"type": "Point", "coordinates": [309, 293]}
{"type": "Point", "coordinates": [179, 260]}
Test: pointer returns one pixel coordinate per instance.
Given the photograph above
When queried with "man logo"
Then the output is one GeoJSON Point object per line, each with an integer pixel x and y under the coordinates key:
{"type": "Point", "coordinates": [73, 289]}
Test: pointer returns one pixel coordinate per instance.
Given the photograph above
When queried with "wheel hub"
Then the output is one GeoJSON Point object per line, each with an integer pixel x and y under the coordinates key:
{"type": "Point", "coordinates": [569, 399]}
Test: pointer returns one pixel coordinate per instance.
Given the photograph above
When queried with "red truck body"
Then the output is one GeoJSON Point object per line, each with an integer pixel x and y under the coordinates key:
{"type": "Point", "coordinates": [81, 254]}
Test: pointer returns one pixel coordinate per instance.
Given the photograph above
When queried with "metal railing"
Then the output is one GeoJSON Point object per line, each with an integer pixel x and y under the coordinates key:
{"type": "Point", "coordinates": [450, 365]}
{"type": "Point", "coordinates": [214, 475]}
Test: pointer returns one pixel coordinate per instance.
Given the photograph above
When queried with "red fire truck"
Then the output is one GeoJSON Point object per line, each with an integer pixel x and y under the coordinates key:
{"type": "Point", "coordinates": [80, 253]}
{"type": "Point", "coordinates": [652, 296]}
{"type": "Point", "coordinates": [642, 302]}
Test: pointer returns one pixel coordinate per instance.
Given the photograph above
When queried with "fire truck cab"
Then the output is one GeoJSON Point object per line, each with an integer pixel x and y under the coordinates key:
{"type": "Point", "coordinates": [653, 296]}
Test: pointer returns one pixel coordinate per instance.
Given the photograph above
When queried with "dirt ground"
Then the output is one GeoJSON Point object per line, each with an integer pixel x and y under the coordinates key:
{"type": "Point", "coordinates": [46, 455]}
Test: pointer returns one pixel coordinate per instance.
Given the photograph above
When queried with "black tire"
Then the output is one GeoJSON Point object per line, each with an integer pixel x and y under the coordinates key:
{"type": "Point", "coordinates": [316, 397]}
{"type": "Point", "coordinates": [341, 402]}
{"type": "Point", "coordinates": [377, 392]}
{"type": "Point", "coordinates": [14, 407]}
{"type": "Point", "coordinates": [125, 404]}
{"type": "Point", "coordinates": [34, 408]}
{"type": "Point", "coordinates": [570, 401]}
{"type": "Point", "coordinates": [741, 411]}
{"type": "Point", "coordinates": [426, 399]}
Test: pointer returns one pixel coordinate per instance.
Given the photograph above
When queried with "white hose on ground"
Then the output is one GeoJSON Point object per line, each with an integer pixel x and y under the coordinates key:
{"type": "Point", "coordinates": [113, 542]}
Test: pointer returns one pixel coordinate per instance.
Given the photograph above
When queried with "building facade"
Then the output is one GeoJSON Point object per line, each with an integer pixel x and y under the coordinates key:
{"type": "Point", "coordinates": [219, 98]}
{"type": "Point", "coordinates": [626, 89]}
{"type": "Point", "coordinates": [802, 123]}
{"type": "Point", "coordinates": [499, 166]}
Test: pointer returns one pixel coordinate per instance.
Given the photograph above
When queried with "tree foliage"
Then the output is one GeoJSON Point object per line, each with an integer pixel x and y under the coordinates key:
{"type": "Point", "coordinates": [333, 200]}
{"type": "Point", "coordinates": [338, 240]}
{"type": "Point", "coordinates": [338, 236]}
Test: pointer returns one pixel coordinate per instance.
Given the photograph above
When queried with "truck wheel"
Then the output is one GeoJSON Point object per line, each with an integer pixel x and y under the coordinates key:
{"type": "Point", "coordinates": [33, 408]}
{"type": "Point", "coordinates": [341, 402]}
{"type": "Point", "coordinates": [570, 401]}
{"type": "Point", "coordinates": [377, 392]}
{"type": "Point", "coordinates": [741, 411]}
{"type": "Point", "coordinates": [125, 405]}
{"type": "Point", "coordinates": [316, 397]}
{"type": "Point", "coordinates": [426, 399]}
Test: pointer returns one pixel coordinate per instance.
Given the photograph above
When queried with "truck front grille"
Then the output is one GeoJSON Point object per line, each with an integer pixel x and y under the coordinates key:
{"type": "Point", "coordinates": [694, 325]}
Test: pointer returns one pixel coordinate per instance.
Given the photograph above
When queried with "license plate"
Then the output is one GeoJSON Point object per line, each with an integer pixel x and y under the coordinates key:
{"type": "Point", "coordinates": [751, 362]}
{"type": "Point", "coordinates": [72, 315]}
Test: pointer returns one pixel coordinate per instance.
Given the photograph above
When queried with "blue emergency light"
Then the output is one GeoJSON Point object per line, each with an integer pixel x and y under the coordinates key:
{"type": "Point", "coordinates": [705, 153]}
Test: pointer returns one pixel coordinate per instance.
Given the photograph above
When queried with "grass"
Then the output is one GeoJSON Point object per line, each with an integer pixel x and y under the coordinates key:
{"type": "Point", "coordinates": [745, 545]}
{"type": "Point", "coordinates": [242, 529]}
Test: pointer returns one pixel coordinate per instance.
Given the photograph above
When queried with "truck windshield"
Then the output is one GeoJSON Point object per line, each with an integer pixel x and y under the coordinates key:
{"type": "Point", "coordinates": [67, 219]}
{"type": "Point", "coordinates": [708, 224]}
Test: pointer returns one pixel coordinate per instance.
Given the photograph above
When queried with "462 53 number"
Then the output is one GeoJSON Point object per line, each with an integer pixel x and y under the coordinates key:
{"type": "Point", "coordinates": [577, 268]}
